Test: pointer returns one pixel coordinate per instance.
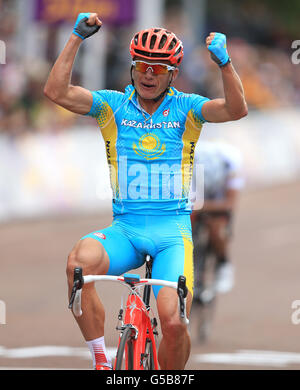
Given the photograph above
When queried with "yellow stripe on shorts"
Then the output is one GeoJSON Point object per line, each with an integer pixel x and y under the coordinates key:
{"type": "Point", "coordinates": [188, 264]}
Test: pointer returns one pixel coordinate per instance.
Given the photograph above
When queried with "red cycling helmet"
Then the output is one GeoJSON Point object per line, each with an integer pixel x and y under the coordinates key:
{"type": "Point", "coordinates": [158, 44]}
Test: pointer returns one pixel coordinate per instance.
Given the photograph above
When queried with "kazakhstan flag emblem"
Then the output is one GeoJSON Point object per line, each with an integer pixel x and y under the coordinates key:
{"type": "Point", "coordinates": [149, 146]}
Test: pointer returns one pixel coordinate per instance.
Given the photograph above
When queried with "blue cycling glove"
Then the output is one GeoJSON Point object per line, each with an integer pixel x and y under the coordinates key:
{"type": "Point", "coordinates": [218, 50]}
{"type": "Point", "coordinates": [82, 29]}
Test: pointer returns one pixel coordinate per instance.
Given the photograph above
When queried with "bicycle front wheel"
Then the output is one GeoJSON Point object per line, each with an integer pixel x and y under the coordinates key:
{"type": "Point", "coordinates": [124, 358]}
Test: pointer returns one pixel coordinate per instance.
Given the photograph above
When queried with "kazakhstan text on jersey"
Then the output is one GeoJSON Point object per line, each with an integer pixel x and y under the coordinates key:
{"type": "Point", "coordinates": [150, 156]}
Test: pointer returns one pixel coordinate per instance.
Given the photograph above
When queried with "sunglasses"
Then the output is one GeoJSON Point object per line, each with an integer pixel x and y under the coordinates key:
{"type": "Point", "coordinates": [156, 68]}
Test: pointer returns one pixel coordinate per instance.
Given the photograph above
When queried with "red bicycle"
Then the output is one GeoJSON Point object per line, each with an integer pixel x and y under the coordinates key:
{"type": "Point", "coordinates": [138, 331]}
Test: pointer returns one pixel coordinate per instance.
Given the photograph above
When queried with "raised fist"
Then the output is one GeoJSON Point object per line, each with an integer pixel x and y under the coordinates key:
{"type": "Point", "coordinates": [86, 25]}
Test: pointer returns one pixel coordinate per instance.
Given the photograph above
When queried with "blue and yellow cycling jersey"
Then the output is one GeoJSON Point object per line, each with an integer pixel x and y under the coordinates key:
{"type": "Point", "coordinates": [150, 156]}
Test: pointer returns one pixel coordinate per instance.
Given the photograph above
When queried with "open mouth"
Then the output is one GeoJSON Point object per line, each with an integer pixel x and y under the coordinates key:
{"type": "Point", "coordinates": [148, 86]}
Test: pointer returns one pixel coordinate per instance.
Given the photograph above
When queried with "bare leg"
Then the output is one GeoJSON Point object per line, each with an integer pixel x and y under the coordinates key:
{"type": "Point", "coordinates": [91, 256]}
{"type": "Point", "coordinates": [175, 346]}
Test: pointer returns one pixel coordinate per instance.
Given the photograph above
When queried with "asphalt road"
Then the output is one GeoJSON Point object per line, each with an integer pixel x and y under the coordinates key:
{"type": "Point", "coordinates": [253, 328]}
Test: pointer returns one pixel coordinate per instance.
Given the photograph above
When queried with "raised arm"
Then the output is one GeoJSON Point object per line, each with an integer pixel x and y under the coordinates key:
{"type": "Point", "coordinates": [233, 106]}
{"type": "Point", "coordinates": [58, 87]}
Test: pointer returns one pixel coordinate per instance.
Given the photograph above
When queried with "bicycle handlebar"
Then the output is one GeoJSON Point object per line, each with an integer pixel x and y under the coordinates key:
{"type": "Point", "coordinates": [130, 280]}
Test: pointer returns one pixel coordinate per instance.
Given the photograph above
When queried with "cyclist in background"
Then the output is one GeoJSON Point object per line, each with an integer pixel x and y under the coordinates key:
{"type": "Point", "coordinates": [150, 132]}
{"type": "Point", "coordinates": [223, 181]}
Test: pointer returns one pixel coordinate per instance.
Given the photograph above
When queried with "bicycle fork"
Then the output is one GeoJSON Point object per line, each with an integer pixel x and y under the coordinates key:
{"type": "Point", "coordinates": [143, 332]}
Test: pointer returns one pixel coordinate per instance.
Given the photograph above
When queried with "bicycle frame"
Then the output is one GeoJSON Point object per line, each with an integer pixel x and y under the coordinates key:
{"type": "Point", "coordinates": [137, 317]}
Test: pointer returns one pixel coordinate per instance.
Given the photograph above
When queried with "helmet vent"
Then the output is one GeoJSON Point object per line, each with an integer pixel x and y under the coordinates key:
{"type": "Point", "coordinates": [144, 38]}
{"type": "Point", "coordinates": [172, 44]}
{"type": "Point", "coordinates": [177, 52]}
{"type": "Point", "coordinates": [153, 55]}
{"type": "Point", "coordinates": [152, 42]}
{"type": "Point", "coordinates": [163, 41]}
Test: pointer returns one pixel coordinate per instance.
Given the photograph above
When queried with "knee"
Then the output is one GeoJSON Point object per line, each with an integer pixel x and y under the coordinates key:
{"type": "Point", "coordinates": [173, 329]}
{"type": "Point", "coordinates": [92, 259]}
{"type": "Point", "coordinates": [72, 263]}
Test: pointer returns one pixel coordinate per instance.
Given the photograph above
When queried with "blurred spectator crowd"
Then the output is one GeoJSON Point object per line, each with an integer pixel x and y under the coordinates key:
{"type": "Point", "coordinates": [269, 77]}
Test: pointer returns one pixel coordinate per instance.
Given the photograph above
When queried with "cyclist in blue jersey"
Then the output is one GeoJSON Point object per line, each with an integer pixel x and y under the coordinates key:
{"type": "Point", "coordinates": [150, 133]}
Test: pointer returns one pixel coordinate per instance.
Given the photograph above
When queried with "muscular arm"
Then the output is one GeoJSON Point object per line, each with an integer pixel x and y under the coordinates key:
{"type": "Point", "coordinates": [58, 87]}
{"type": "Point", "coordinates": [233, 106]}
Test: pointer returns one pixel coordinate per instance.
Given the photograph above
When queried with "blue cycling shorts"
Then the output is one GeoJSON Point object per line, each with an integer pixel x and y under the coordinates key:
{"type": "Point", "coordinates": [167, 239]}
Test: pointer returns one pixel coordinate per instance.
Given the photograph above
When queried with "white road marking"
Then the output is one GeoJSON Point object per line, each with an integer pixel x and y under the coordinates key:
{"type": "Point", "coordinates": [250, 357]}
{"type": "Point", "coordinates": [241, 357]}
{"type": "Point", "coordinates": [49, 350]}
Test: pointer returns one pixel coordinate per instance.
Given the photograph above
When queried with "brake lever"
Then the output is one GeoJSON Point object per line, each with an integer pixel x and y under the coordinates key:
{"type": "Point", "coordinates": [77, 284]}
{"type": "Point", "coordinates": [182, 294]}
